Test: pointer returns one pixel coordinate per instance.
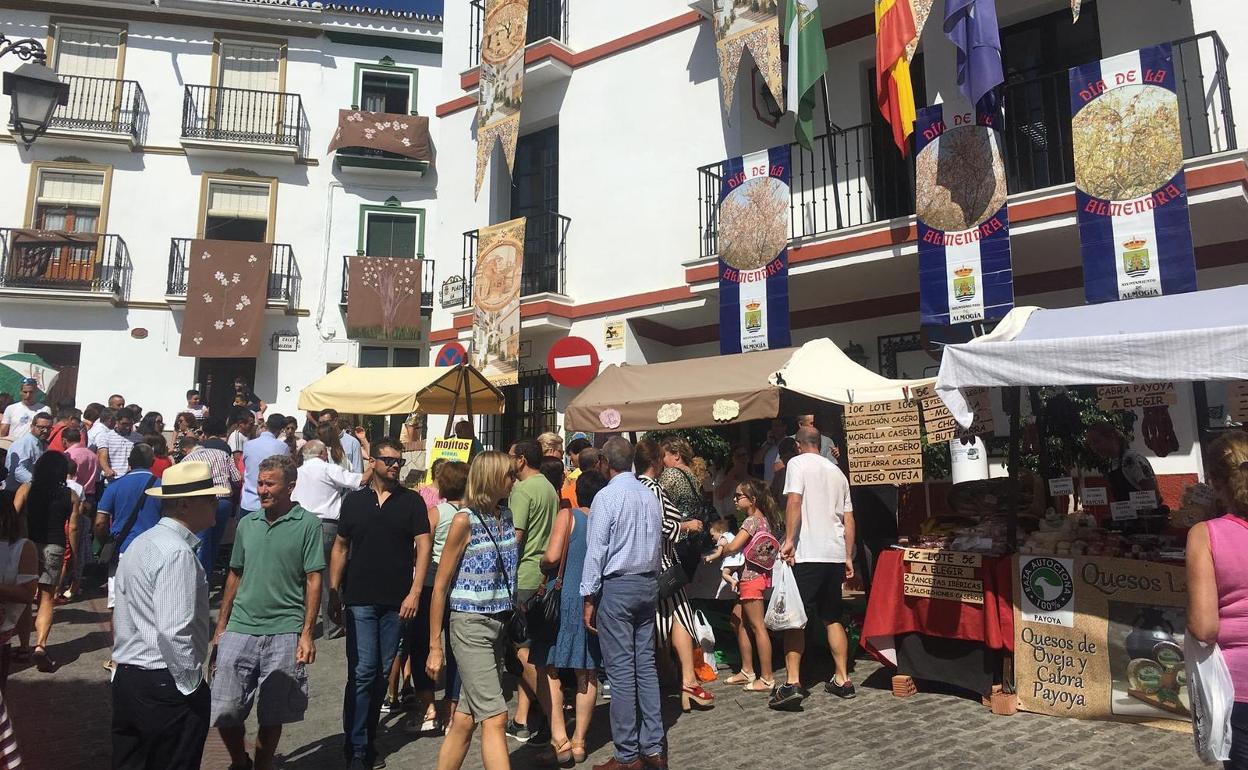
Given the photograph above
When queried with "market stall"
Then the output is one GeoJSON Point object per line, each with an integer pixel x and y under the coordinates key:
{"type": "Point", "coordinates": [1099, 615]}
{"type": "Point", "coordinates": [447, 390]}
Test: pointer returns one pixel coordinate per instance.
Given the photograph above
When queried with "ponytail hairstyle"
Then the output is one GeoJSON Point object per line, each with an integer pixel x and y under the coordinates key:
{"type": "Point", "coordinates": [1226, 465]}
{"type": "Point", "coordinates": [760, 495]}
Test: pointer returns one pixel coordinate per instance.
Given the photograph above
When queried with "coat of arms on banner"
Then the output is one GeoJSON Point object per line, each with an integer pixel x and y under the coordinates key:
{"type": "Point", "coordinates": [496, 302]}
{"type": "Point", "coordinates": [753, 252]}
{"type": "Point", "coordinates": [1130, 190]}
{"type": "Point", "coordinates": [965, 272]}
{"type": "Point", "coordinates": [752, 25]}
{"type": "Point", "coordinates": [502, 81]}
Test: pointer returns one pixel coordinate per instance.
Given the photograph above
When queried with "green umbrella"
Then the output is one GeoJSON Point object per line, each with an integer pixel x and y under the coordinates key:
{"type": "Point", "coordinates": [15, 367]}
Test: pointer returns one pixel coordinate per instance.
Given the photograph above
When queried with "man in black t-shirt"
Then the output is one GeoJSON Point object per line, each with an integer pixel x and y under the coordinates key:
{"type": "Point", "coordinates": [377, 570]}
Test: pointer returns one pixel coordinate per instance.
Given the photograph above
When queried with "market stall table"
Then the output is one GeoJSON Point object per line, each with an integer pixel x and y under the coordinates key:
{"type": "Point", "coordinates": [946, 640]}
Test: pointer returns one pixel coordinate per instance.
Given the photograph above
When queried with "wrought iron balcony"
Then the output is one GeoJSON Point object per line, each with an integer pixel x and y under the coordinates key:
{"type": "Point", "coordinates": [547, 18]}
{"type": "Point", "coordinates": [284, 278]}
{"type": "Point", "coordinates": [77, 262]}
{"type": "Point", "coordinates": [854, 176]}
{"type": "Point", "coordinates": [102, 105]}
{"type": "Point", "coordinates": [545, 256]}
{"type": "Point", "coordinates": [428, 282]}
{"type": "Point", "coordinates": [243, 116]}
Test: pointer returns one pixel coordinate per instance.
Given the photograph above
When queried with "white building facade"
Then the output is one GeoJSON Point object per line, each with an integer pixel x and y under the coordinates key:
{"type": "Point", "coordinates": [195, 119]}
{"type": "Point", "coordinates": [622, 131]}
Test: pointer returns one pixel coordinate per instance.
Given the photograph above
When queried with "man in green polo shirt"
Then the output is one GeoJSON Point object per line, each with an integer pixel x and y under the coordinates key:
{"type": "Point", "coordinates": [264, 633]}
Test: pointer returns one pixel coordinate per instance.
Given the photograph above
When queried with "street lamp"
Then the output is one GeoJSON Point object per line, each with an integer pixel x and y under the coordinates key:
{"type": "Point", "coordinates": [35, 90]}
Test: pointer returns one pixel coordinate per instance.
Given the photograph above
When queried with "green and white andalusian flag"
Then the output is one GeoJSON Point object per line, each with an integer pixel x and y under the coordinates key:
{"type": "Point", "coordinates": [803, 34]}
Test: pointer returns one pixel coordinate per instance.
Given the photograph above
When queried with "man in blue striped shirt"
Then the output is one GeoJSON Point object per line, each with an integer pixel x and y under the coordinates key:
{"type": "Point", "coordinates": [620, 591]}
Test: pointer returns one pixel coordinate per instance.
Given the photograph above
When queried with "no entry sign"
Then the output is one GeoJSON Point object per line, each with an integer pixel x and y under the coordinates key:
{"type": "Point", "coordinates": [572, 361]}
{"type": "Point", "coordinates": [451, 354]}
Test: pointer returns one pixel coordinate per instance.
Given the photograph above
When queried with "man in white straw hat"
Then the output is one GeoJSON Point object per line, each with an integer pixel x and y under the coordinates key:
{"type": "Point", "coordinates": [161, 703]}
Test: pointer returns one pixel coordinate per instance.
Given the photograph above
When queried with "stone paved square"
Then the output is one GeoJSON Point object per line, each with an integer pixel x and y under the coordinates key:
{"type": "Point", "coordinates": [62, 724]}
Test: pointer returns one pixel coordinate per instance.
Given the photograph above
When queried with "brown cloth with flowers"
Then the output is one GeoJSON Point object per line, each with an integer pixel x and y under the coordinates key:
{"type": "Point", "coordinates": [406, 135]}
{"type": "Point", "coordinates": [225, 298]}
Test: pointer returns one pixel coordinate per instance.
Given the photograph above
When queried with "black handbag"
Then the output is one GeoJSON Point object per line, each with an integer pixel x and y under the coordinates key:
{"type": "Point", "coordinates": [545, 609]}
{"type": "Point", "coordinates": [672, 580]}
{"type": "Point", "coordinates": [518, 624]}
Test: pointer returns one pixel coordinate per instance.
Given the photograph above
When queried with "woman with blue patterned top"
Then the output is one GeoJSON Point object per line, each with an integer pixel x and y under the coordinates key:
{"type": "Point", "coordinates": [477, 572]}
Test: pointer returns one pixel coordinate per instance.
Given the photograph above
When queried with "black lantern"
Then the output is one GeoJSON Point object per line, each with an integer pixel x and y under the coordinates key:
{"type": "Point", "coordinates": [36, 92]}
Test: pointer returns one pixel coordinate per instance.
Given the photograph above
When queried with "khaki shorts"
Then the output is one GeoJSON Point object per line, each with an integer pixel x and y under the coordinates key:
{"type": "Point", "coordinates": [478, 642]}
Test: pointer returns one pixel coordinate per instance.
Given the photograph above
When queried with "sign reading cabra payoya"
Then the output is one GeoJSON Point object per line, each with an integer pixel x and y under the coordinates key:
{"type": "Point", "coordinates": [1131, 195]}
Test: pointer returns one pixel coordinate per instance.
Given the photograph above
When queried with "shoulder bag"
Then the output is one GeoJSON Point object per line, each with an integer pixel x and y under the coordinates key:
{"type": "Point", "coordinates": [108, 552]}
{"type": "Point", "coordinates": [545, 608]}
{"type": "Point", "coordinates": [517, 624]}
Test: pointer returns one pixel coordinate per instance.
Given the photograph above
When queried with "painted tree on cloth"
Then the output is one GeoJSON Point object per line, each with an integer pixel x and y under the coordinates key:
{"type": "Point", "coordinates": [395, 282]}
{"type": "Point", "coordinates": [754, 223]}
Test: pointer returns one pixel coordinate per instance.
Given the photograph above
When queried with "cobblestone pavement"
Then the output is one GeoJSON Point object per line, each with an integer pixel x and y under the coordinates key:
{"type": "Point", "coordinates": [62, 723]}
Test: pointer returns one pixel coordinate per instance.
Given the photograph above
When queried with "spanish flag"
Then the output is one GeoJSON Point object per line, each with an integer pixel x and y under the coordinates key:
{"type": "Point", "coordinates": [894, 29]}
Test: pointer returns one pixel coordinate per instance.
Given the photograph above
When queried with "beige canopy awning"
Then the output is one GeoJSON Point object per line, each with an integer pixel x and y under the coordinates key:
{"type": "Point", "coordinates": [821, 370]}
{"type": "Point", "coordinates": [695, 385]}
{"type": "Point", "coordinates": [403, 390]}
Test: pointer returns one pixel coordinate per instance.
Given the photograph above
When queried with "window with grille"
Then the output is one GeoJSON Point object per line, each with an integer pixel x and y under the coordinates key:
{"type": "Point", "coordinates": [530, 411]}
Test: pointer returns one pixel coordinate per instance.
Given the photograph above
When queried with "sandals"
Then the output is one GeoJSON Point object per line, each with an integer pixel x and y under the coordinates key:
{"type": "Point", "coordinates": [760, 685]}
{"type": "Point", "coordinates": [552, 757]}
{"type": "Point", "coordinates": [42, 662]}
{"type": "Point", "coordinates": [741, 677]}
{"type": "Point", "coordinates": [579, 754]}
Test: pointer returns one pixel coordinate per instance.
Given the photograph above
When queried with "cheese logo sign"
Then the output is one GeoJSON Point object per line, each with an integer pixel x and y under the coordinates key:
{"type": "Point", "coordinates": [1047, 584]}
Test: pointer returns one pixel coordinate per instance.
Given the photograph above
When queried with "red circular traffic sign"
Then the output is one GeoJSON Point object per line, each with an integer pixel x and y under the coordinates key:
{"type": "Point", "coordinates": [572, 361]}
{"type": "Point", "coordinates": [451, 354]}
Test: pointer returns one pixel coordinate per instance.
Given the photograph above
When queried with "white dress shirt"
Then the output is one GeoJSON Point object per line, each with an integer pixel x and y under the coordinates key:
{"type": "Point", "coordinates": [161, 619]}
{"type": "Point", "coordinates": [322, 486]}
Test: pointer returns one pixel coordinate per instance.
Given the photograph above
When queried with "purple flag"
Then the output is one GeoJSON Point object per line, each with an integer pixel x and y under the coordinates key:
{"type": "Point", "coordinates": [972, 26]}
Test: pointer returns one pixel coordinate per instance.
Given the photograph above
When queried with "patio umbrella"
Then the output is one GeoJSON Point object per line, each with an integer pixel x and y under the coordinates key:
{"type": "Point", "coordinates": [15, 367]}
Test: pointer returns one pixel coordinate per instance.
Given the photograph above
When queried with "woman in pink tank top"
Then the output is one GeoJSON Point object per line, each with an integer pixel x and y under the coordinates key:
{"type": "Point", "coordinates": [1217, 577]}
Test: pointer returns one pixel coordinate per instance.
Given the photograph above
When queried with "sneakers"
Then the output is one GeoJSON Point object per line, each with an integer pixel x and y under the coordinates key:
{"type": "Point", "coordinates": [388, 706]}
{"type": "Point", "coordinates": [604, 689]}
{"type": "Point", "coordinates": [518, 731]}
{"type": "Point", "coordinates": [845, 691]}
{"type": "Point", "coordinates": [787, 697]}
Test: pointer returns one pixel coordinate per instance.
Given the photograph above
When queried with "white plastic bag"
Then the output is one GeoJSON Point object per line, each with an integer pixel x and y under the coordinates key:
{"type": "Point", "coordinates": [785, 610]}
{"type": "Point", "coordinates": [1212, 695]}
{"type": "Point", "coordinates": [703, 631]}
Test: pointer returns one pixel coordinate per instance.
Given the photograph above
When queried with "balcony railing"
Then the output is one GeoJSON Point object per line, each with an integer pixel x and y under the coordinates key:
{"type": "Point", "coordinates": [547, 18]}
{"type": "Point", "coordinates": [428, 282]}
{"type": "Point", "coordinates": [240, 115]}
{"type": "Point", "coordinates": [102, 268]}
{"type": "Point", "coordinates": [103, 105]}
{"type": "Point", "coordinates": [853, 176]}
{"type": "Point", "coordinates": [284, 278]}
{"type": "Point", "coordinates": [545, 256]}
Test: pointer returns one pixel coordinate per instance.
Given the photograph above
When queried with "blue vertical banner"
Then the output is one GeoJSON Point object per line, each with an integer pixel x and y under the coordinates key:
{"type": "Point", "coordinates": [754, 215]}
{"type": "Point", "coordinates": [1131, 195]}
{"type": "Point", "coordinates": [965, 272]}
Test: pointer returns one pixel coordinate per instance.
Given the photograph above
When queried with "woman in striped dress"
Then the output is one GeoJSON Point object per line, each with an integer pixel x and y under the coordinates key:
{"type": "Point", "coordinates": [674, 617]}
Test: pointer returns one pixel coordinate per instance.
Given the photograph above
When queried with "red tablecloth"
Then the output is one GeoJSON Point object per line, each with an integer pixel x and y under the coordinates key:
{"type": "Point", "coordinates": [890, 612]}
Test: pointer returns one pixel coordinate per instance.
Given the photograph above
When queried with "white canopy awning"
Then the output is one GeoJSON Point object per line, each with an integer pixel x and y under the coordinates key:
{"type": "Point", "coordinates": [821, 370]}
{"type": "Point", "coordinates": [1197, 336]}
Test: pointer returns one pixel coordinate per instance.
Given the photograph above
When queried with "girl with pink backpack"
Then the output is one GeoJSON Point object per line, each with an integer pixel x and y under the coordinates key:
{"type": "Point", "coordinates": [756, 540]}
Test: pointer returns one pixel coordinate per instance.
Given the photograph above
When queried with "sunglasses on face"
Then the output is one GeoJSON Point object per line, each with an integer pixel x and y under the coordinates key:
{"type": "Point", "coordinates": [738, 495]}
{"type": "Point", "coordinates": [392, 462]}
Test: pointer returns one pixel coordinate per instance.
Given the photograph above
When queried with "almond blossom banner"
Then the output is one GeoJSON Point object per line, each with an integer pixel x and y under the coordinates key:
{"type": "Point", "coordinates": [225, 297]}
{"type": "Point", "coordinates": [406, 135]}
{"type": "Point", "coordinates": [502, 81]}
{"type": "Point", "coordinates": [752, 25]}
{"type": "Point", "coordinates": [383, 298]}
